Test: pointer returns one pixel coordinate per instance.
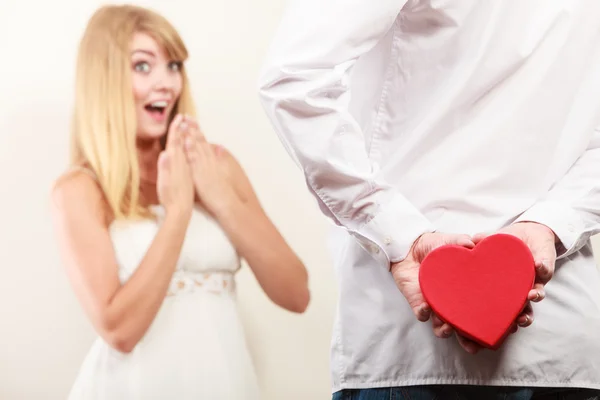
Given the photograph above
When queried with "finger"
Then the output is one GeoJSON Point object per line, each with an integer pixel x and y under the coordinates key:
{"type": "Point", "coordinates": [447, 331]}
{"type": "Point", "coordinates": [423, 312]}
{"type": "Point", "coordinates": [190, 147]}
{"type": "Point", "coordinates": [469, 346]}
{"type": "Point", "coordinates": [436, 321]}
{"type": "Point", "coordinates": [514, 328]}
{"type": "Point", "coordinates": [207, 152]}
{"type": "Point", "coordinates": [163, 160]}
{"type": "Point", "coordinates": [443, 332]}
{"type": "Point", "coordinates": [195, 129]}
{"type": "Point", "coordinates": [174, 133]}
{"type": "Point", "coordinates": [544, 270]}
{"type": "Point", "coordinates": [426, 244]}
{"type": "Point", "coordinates": [184, 128]}
{"type": "Point", "coordinates": [177, 159]}
{"type": "Point", "coordinates": [440, 328]}
{"type": "Point", "coordinates": [220, 150]}
{"type": "Point", "coordinates": [479, 237]}
{"type": "Point", "coordinates": [526, 318]}
{"type": "Point", "coordinates": [537, 294]}
{"type": "Point", "coordinates": [465, 240]}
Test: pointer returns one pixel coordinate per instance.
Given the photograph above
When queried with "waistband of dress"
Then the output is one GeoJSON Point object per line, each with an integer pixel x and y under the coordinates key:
{"type": "Point", "coordinates": [215, 282]}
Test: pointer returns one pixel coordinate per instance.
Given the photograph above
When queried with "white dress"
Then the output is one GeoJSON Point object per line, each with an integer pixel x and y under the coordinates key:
{"type": "Point", "coordinates": [195, 347]}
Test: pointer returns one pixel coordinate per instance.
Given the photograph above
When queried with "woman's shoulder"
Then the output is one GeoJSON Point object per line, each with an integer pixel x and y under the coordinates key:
{"type": "Point", "coordinates": [76, 180]}
{"type": "Point", "coordinates": [77, 190]}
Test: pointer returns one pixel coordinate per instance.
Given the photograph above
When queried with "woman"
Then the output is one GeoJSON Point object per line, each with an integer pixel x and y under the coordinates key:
{"type": "Point", "coordinates": [152, 221]}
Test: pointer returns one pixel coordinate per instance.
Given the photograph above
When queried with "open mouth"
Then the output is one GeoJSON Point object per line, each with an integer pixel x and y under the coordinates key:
{"type": "Point", "coordinates": [157, 109]}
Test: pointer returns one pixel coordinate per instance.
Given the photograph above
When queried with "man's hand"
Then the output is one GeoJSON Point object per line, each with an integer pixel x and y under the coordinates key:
{"type": "Point", "coordinates": [406, 275]}
{"type": "Point", "coordinates": [541, 241]}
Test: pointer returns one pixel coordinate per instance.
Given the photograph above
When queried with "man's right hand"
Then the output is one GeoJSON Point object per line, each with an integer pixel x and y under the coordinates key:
{"type": "Point", "coordinates": [406, 275]}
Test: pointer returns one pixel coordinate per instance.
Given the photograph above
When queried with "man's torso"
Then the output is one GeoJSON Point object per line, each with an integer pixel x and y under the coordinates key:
{"type": "Point", "coordinates": [473, 109]}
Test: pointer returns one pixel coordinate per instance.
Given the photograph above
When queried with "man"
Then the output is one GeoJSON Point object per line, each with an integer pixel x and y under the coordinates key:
{"type": "Point", "coordinates": [419, 123]}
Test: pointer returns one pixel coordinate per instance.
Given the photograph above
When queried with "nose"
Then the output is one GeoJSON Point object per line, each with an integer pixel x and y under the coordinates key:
{"type": "Point", "coordinates": [166, 80]}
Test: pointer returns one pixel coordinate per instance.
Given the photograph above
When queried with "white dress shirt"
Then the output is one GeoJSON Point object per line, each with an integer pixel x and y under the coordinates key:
{"type": "Point", "coordinates": [459, 116]}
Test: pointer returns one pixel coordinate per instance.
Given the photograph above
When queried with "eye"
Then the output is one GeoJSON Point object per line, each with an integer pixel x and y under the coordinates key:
{"type": "Point", "coordinates": [175, 66]}
{"type": "Point", "coordinates": [142, 66]}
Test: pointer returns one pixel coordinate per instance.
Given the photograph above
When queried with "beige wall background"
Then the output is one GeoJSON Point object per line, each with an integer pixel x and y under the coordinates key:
{"type": "Point", "coordinates": [44, 334]}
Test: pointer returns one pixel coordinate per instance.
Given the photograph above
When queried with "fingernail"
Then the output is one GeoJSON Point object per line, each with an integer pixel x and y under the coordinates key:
{"type": "Point", "coordinates": [542, 294]}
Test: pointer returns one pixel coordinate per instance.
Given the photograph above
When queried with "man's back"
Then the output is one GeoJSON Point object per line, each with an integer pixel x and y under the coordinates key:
{"type": "Point", "coordinates": [464, 117]}
{"type": "Point", "coordinates": [482, 107]}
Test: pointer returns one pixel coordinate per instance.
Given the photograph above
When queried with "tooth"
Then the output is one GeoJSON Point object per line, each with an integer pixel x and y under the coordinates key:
{"type": "Point", "coordinates": [159, 104]}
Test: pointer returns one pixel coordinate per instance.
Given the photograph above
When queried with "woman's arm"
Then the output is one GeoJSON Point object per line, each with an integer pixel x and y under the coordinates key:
{"type": "Point", "coordinates": [121, 314]}
{"type": "Point", "coordinates": [277, 268]}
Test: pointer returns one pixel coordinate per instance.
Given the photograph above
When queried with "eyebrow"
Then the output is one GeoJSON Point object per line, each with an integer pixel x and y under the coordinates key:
{"type": "Point", "coordinates": [148, 52]}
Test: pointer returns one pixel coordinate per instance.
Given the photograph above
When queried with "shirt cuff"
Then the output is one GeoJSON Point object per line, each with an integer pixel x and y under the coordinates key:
{"type": "Point", "coordinates": [391, 233]}
{"type": "Point", "coordinates": [563, 220]}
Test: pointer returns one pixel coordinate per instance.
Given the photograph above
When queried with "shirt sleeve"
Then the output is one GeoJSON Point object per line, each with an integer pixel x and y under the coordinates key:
{"type": "Point", "coordinates": [572, 207]}
{"type": "Point", "coordinates": [304, 90]}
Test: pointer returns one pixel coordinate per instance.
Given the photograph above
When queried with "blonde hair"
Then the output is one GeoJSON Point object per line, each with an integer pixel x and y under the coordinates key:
{"type": "Point", "coordinates": [103, 132]}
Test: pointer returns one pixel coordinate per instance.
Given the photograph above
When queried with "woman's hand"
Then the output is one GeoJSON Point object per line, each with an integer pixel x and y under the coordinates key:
{"type": "Point", "coordinates": [174, 186]}
{"type": "Point", "coordinates": [212, 184]}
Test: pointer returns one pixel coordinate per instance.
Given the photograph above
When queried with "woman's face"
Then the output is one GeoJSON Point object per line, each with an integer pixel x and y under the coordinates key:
{"type": "Point", "coordinates": [157, 84]}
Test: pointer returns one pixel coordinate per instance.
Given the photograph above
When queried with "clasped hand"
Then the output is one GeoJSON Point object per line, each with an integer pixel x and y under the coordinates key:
{"type": "Point", "coordinates": [191, 168]}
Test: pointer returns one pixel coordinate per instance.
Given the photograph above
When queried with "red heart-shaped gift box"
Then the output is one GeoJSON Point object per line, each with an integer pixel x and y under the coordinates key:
{"type": "Point", "coordinates": [481, 291]}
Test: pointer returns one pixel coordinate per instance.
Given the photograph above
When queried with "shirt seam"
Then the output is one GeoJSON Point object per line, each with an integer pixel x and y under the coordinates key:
{"type": "Point", "coordinates": [378, 120]}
